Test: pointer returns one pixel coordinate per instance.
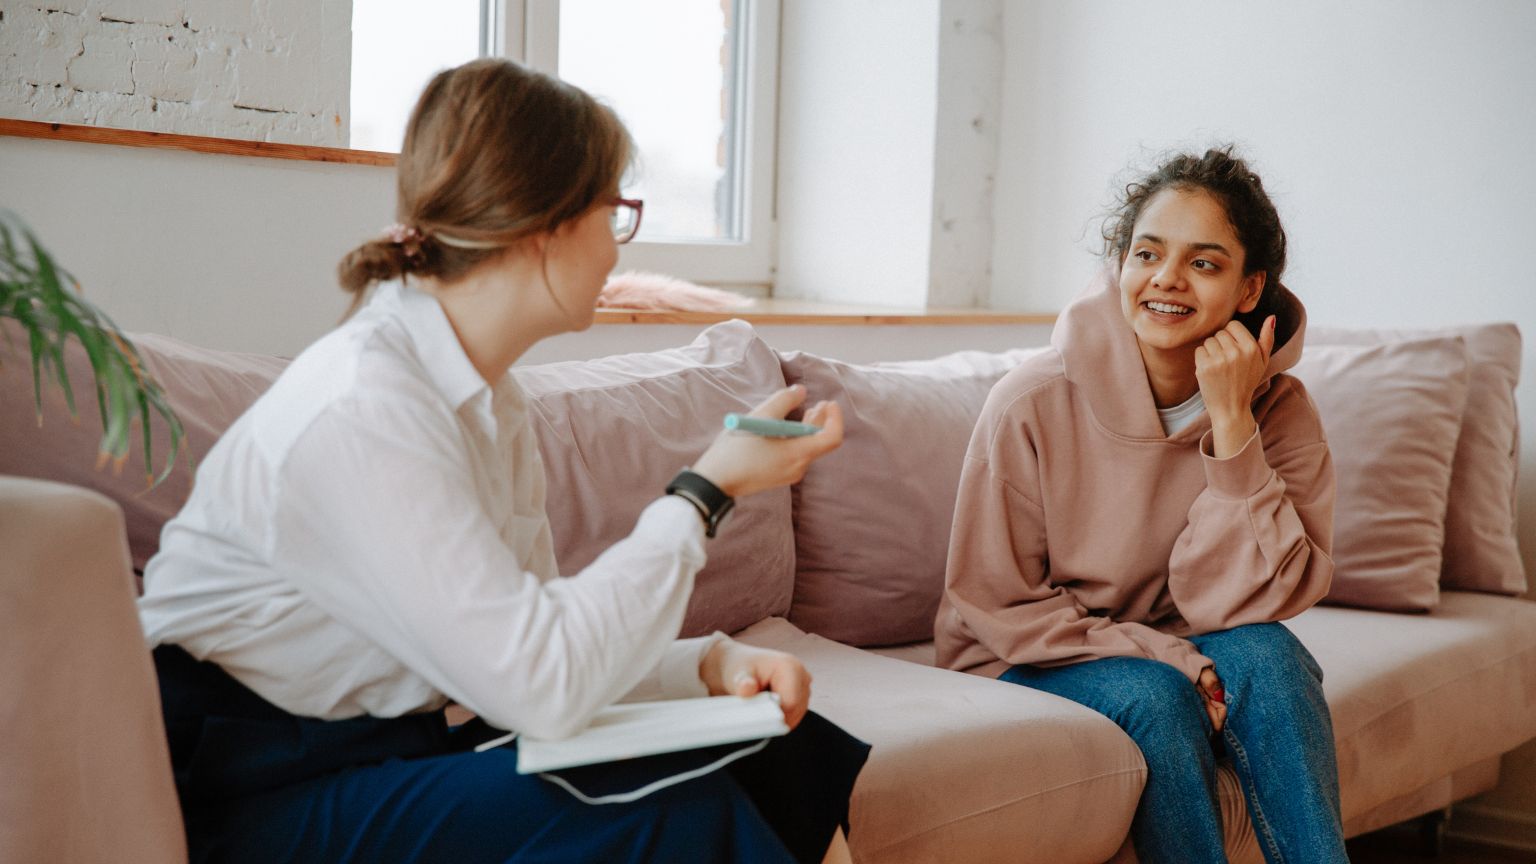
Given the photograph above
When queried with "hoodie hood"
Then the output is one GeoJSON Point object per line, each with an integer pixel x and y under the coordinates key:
{"type": "Point", "coordinates": [1100, 355]}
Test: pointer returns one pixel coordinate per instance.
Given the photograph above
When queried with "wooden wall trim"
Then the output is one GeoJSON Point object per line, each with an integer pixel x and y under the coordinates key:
{"type": "Point", "coordinates": [195, 143]}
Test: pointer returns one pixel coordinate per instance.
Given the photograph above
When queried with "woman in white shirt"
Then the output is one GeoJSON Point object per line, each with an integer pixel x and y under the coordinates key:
{"type": "Point", "coordinates": [368, 543]}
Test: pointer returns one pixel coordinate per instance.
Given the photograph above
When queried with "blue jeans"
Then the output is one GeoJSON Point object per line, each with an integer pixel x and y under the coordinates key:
{"type": "Point", "coordinates": [1278, 735]}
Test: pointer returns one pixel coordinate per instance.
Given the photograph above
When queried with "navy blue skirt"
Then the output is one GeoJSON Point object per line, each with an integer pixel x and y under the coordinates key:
{"type": "Point", "coordinates": [260, 784]}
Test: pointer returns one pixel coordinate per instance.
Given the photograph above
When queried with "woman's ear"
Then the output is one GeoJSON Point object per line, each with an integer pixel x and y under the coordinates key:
{"type": "Point", "coordinates": [1253, 289]}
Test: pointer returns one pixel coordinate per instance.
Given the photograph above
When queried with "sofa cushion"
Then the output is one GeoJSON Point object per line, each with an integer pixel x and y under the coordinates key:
{"type": "Point", "coordinates": [1392, 413]}
{"type": "Point", "coordinates": [1415, 698]}
{"type": "Point", "coordinates": [614, 430]}
{"type": "Point", "coordinates": [1481, 552]}
{"type": "Point", "coordinates": [207, 389]}
{"type": "Point", "coordinates": [872, 519]}
{"type": "Point", "coordinates": [966, 768]}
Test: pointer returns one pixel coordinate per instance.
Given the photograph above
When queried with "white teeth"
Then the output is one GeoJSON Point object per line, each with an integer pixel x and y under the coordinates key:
{"type": "Point", "coordinates": [1168, 307]}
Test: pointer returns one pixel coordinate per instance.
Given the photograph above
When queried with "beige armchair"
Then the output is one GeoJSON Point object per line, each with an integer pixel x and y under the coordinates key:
{"type": "Point", "coordinates": [87, 775]}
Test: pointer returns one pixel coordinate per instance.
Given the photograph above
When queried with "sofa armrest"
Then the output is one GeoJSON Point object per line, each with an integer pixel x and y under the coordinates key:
{"type": "Point", "coordinates": [86, 767]}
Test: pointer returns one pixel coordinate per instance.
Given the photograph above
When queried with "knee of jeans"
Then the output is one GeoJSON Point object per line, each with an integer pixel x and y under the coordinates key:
{"type": "Point", "coordinates": [1261, 658]}
{"type": "Point", "coordinates": [1163, 698]}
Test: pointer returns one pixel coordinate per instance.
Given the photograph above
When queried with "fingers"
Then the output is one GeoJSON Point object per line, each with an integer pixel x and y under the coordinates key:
{"type": "Point", "coordinates": [781, 403]}
{"type": "Point", "coordinates": [790, 680]}
{"type": "Point", "coordinates": [1267, 337]}
{"type": "Point", "coordinates": [829, 416]}
{"type": "Point", "coordinates": [1218, 714]}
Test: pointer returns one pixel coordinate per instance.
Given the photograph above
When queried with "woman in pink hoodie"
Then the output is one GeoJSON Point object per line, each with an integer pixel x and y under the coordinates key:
{"type": "Point", "coordinates": [1142, 505]}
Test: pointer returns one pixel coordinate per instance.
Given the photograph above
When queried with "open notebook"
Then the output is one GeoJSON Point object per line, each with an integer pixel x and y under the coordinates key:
{"type": "Point", "coordinates": [632, 729]}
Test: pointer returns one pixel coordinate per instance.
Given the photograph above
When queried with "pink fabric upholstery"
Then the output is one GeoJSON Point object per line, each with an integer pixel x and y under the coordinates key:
{"type": "Point", "coordinates": [208, 390]}
{"type": "Point", "coordinates": [614, 430]}
{"type": "Point", "coordinates": [1416, 698]}
{"type": "Point", "coordinates": [1392, 413]}
{"type": "Point", "coordinates": [872, 519]}
{"type": "Point", "coordinates": [87, 775]}
{"type": "Point", "coordinates": [1481, 552]}
{"type": "Point", "coordinates": [966, 768]}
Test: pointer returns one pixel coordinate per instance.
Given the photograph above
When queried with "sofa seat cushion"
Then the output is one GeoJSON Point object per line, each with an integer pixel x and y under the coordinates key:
{"type": "Point", "coordinates": [965, 768]}
{"type": "Point", "coordinates": [1417, 697]}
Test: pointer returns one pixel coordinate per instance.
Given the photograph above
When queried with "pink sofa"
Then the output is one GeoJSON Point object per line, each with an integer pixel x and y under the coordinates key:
{"type": "Point", "coordinates": [845, 571]}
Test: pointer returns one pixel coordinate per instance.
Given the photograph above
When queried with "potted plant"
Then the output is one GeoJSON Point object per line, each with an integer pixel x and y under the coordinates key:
{"type": "Point", "coordinates": [46, 301]}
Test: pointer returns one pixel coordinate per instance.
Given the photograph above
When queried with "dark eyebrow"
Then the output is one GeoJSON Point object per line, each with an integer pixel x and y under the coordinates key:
{"type": "Point", "coordinates": [1215, 247]}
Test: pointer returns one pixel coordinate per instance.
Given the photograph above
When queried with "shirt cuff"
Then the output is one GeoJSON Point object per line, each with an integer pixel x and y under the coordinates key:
{"type": "Point", "coordinates": [1239, 476]}
{"type": "Point", "coordinates": [679, 670]}
{"type": "Point", "coordinates": [1191, 663]}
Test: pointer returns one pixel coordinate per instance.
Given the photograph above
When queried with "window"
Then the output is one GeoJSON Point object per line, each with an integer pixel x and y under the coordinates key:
{"type": "Point", "coordinates": [692, 79]}
{"type": "Point", "coordinates": [387, 76]}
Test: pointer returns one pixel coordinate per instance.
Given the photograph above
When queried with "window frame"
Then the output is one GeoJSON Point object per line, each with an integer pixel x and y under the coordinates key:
{"type": "Point", "coordinates": [528, 31]}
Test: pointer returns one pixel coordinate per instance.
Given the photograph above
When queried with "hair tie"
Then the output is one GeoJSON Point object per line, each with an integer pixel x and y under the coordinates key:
{"type": "Point", "coordinates": [409, 238]}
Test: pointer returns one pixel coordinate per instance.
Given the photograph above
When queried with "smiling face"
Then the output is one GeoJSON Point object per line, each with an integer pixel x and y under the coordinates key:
{"type": "Point", "coordinates": [1182, 278]}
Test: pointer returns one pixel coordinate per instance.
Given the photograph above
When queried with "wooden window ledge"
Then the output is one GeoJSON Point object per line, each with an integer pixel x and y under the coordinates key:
{"type": "Point", "coordinates": [802, 312]}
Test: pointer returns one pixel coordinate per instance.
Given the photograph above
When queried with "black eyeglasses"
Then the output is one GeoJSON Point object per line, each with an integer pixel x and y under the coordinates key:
{"type": "Point", "coordinates": [626, 218]}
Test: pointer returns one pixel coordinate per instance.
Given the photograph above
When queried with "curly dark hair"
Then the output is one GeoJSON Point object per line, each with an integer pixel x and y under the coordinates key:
{"type": "Point", "coordinates": [1227, 178]}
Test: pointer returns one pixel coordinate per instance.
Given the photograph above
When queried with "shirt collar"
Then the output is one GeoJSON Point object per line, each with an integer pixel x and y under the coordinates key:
{"type": "Point", "coordinates": [448, 367]}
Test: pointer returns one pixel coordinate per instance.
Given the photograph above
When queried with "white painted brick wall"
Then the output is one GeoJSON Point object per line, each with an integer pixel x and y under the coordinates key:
{"type": "Point", "coordinates": [266, 70]}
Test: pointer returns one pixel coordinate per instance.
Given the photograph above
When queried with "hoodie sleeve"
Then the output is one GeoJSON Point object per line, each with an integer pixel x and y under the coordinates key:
{"type": "Point", "coordinates": [1258, 546]}
{"type": "Point", "coordinates": [997, 576]}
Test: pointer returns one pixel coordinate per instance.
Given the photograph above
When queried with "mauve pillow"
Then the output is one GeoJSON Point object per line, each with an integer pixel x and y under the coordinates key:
{"type": "Point", "coordinates": [1392, 414]}
{"type": "Point", "coordinates": [1481, 550]}
{"type": "Point", "coordinates": [872, 518]}
{"type": "Point", "coordinates": [208, 390]}
{"type": "Point", "coordinates": [613, 431]}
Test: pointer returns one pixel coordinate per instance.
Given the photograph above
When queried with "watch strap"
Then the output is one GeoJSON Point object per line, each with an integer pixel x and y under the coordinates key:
{"type": "Point", "coordinates": [711, 502]}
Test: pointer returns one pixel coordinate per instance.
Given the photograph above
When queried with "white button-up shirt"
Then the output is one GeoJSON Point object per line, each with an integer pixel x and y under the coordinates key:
{"type": "Point", "coordinates": [370, 538]}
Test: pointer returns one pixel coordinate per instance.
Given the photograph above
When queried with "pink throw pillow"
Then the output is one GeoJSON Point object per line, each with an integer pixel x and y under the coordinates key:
{"type": "Point", "coordinates": [613, 431]}
{"type": "Point", "coordinates": [1481, 550]}
{"type": "Point", "coordinates": [1392, 413]}
{"type": "Point", "coordinates": [208, 390]}
{"type": "Point", "coordinates": [872, 519]}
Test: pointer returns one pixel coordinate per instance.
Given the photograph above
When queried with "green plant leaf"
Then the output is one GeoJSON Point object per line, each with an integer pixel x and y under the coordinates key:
{"type": "Point", "coordinates": [45, 300]}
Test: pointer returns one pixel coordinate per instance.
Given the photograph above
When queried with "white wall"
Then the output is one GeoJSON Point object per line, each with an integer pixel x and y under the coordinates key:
{"type": "Point", "coordinates": [226, 251]}
{"type": "Point", "coordinates": [855, 153]}
{"type": "Point", "coordinates": [270, 70]}
{"type": "Point", "coordinates": [1398, 138]}
{"type": "Point", "coordinates": [1396, 135]}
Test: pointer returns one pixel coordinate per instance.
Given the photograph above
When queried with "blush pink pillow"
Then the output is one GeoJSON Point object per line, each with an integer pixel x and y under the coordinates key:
{"type": "Point", "coordinates": [872, 518]}
{"type": "Point", "coordinates": [1481, 551]}
{"type": "Point", "coordinates": [1392, 414]}
{"type": "Point", "coordinates": [613, 431]}
{"type": "Point", "coordinates": [208, 390]}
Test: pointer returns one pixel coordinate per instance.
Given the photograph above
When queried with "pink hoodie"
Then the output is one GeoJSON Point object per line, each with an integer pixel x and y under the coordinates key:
{"type": "Point", "coordinates": [1081, 531]}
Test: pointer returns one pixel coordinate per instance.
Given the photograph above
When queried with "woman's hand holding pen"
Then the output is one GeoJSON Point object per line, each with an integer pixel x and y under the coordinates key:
{"type": "Point", "coordinates": [743, 464]}
{"type": "Point", "coordinates": [1230, 365]}
{"type": "Point", "coordinates": [731, 668]}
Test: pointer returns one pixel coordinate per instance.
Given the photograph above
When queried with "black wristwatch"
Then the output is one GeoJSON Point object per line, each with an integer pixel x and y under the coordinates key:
{"type": "Point", "coordinates": [712, 503]}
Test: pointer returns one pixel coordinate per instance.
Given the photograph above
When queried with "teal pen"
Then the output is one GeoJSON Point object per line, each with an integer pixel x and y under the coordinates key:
{"type": "Point", "coordinates": [769, 428]}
